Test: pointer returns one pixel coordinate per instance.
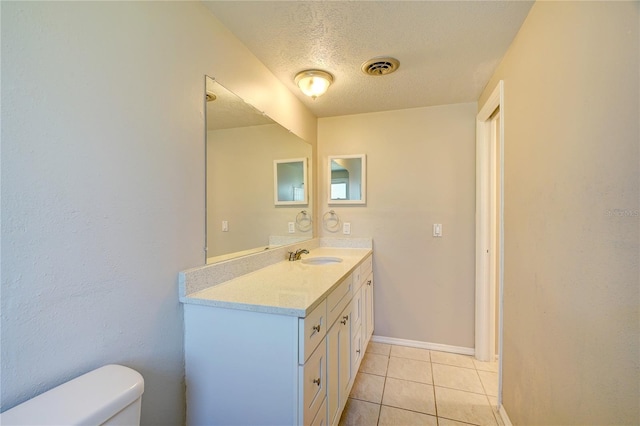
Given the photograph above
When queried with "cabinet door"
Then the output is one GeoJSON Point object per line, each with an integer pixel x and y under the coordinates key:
{"type": "Point", "coordinates": [312, 383]}
{"type": "Point", "coordinates": [368, 308]}
{"type": "Point", "coordinates": [321, 417]}
{"type": "Point", "coordinates": [344, 357]}
{"type": "Point", "coordinates": [356, 350]}
{"type": "Point", "coordinates": [333, 374]}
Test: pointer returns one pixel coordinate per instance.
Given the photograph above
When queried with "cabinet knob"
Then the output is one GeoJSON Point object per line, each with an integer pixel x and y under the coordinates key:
{"type": "Point", "coordinates": [317, 381]}
{"type": "Point", "coordinates": [316, 328]}
{"type": "Point", "coordinates": [369, 282]}
{"type": "Point", "coordinates": [357, 351]}
{"type": "Point", "coordinates": [344, 321]}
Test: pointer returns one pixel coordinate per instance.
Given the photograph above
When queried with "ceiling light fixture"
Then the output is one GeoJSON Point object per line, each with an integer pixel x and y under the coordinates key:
{"type": "Point", "coordinates": [313, 83]}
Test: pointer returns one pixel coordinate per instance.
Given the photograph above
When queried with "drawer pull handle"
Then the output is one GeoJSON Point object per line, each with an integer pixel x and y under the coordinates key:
{"type": "Point", "coordinates": [316, 328]}
{"type": "Point", "coordinates": [369, 282]}
{"type": "Point", "coordinates": [317, 381]}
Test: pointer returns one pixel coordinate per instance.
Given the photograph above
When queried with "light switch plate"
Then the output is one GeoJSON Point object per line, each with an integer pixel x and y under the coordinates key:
{"type": "Point", "coordinates": [225, 226]}
{"type": "Point", "coordinates": [437, 230]}
{"type": "Point", "coordinates": [292, 227]}
{"type": "Point", "coordinates": [346, 228]}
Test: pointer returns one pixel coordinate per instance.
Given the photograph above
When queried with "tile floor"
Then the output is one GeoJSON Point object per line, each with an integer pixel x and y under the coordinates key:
{"type": "Point", "coordinates": [398, 385]}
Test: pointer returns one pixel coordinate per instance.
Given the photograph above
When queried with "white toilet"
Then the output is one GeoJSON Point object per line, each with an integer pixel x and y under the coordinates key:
{"type": "Point", "coordinates": [109, 395]}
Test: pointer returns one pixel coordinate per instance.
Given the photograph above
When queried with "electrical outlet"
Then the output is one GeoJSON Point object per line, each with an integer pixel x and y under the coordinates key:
{"type": "Point", "coordinates": [225, 226]}
{"type": "Point", "coordinates": [346, 228]}
{"type": "Point", "coordinates": [292, 227]}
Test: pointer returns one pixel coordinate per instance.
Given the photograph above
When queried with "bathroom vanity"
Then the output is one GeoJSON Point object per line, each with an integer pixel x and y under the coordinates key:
{"type": "Point", "coordinates": [280, 345]}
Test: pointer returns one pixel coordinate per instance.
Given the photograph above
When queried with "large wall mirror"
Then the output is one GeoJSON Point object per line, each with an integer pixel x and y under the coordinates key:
{"type": "Point", "coordinates": [242, 145]}
{"type": "Point", "coordinates": [347, 179]}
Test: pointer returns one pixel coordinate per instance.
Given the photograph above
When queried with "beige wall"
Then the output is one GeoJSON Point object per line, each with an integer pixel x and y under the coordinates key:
{"type": "Point", "coordinates": [420, 171]}
{"type": "Point", "coordinates": [571, 296]}
{"type": "Point", "coordinates": [103, 185]}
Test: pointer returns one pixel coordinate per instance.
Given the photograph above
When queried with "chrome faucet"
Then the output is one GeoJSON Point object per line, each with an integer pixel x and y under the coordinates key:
{"type": "Point", "coordinates": [296, 256]}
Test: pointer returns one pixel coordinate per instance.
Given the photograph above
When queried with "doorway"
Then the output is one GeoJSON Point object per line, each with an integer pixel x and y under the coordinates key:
{"type": "Point", "coordinates": [490, 230]}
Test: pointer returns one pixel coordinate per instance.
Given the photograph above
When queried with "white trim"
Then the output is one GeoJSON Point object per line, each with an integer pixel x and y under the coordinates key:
{"type": "Point", "coordinates": [505, 418]}
{"type": "Point", "coordinates": [424, 345]}
{"type": "Point", "coordinates": [485, 324]}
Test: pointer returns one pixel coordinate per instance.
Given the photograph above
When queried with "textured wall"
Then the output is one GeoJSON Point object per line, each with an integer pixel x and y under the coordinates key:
{"type": "Point", "coordinates": [420, 171]}
{"type": "Point", "coordinates": [572, 170]}
{"type": "Point", "coordinates": [103, 185]}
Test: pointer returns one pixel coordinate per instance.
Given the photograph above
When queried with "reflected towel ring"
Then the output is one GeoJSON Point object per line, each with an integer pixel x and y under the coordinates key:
{"type": "Point", "coordinates": [331, 221]}
{"type": "Point", "coordinates": [303, 221]}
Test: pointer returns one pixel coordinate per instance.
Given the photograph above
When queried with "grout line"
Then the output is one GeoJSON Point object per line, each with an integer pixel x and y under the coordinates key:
{"type": "Point", "coordinates": [461, 390]}
{"type": "Point", "coordinates": [384, 385]}
{"type": "Point", "coordinates": [433, 380]}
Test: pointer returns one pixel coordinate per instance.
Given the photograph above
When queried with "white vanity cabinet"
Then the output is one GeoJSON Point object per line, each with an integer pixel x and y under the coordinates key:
{"type": "Point", "coordinates": [245, 366]}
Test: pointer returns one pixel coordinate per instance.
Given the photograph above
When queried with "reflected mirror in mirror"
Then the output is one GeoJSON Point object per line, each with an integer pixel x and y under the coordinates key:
{"type": "Point", "coordinates": [347, 179]}
{"type": "Point", "coordinates": [289, 182]}
{"type": "Point", "coordinates": [241, 146]}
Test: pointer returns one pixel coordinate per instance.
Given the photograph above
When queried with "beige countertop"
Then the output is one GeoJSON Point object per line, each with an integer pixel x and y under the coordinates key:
{"type": "Point", "coordinates": [286, 288]}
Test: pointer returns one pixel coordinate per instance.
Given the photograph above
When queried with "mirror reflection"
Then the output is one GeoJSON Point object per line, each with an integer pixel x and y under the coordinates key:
{"type": "Point", "coordinates": [347, 179]}
{"type": "Point", "coordinates": [289, 180]}
{"type": "Point", "coordinates": [241, 146]}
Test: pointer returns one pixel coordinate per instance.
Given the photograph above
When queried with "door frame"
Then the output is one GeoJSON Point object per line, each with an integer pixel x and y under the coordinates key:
{"type": "Point", "coordinates": [486, 223]}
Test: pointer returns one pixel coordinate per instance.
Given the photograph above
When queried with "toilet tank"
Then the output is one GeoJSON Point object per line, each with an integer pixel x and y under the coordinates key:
{"type": "Point", "coordinates": [109, 395]}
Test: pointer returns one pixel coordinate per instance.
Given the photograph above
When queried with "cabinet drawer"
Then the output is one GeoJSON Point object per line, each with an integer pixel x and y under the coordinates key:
{"type": "Point", "coordinates": [311, 331]}
{"type": "Point", "coordinates": [357, 309]}
{"type": "Point", "coordinates": [357, 278]}
{"type": "Point", "coordinates": [366, 267]}
{"type": "Point", "coordinates": [339, 299]}
{"type": "Point", "coordinates": [312, 386]}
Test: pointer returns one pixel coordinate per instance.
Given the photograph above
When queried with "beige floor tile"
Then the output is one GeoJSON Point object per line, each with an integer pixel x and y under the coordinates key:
{"type": "Point", "coordinates": [368, 387]}
{"type": "Point", "coordinates": [486, 366]}
{"type": "Point", "coordinates": [449, 376]}
{"type": "Point", "coordinates": [379, 348]}
{"type": "Point", "coordinates": [409, 395]}
{"type": "Point", "coordinates": [413, 353]}
{"type": "Point", "coordinates": [390, 416]}
{"type": "Point", "coordinates": [493, 402]}
{"type": "Point", "coordinates": [464, 407]}
{"type": "Point", "coordinates": [410, 369]}
{"type": "Point", "coordinates": [448, 422]}
{"type": "Point", "coordinates": [374, 364]}
{"type": "Point", "coordinates": [358, 413]}
{"type": "Point", "coordinates": [452, 359]}
{"type": "Point", "coordinates": [489, 382]}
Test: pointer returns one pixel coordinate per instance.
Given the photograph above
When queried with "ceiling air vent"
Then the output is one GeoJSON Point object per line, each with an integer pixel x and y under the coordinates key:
{"type": "Point", "coordinates": [380, 66]}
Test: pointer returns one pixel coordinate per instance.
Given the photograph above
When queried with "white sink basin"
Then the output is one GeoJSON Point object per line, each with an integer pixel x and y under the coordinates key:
{"type": "Point", "coordinates": [321, 260]}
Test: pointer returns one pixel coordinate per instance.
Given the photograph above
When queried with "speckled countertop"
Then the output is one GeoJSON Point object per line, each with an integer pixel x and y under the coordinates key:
{"type": "Point", "coordinates": [286, 288]}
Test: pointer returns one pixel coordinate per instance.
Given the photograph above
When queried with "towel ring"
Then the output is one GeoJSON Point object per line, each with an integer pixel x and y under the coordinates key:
{"type": "Point", "coordinates": [303, 221]}
{"type": "Point", "coordinates": [331, 221]}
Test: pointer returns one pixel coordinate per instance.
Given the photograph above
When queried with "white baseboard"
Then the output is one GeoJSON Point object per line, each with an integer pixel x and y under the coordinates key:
{"type": "Point", "coordinates": [424, 345]}
{"type": "Point", "coordinates": [505, 417]}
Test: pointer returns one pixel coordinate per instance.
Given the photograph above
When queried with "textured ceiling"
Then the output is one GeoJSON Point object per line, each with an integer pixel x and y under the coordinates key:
{"type": "Point", "coordinates": [229, 111]}
{"type": "Point", "coordinates": [447, 50]}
